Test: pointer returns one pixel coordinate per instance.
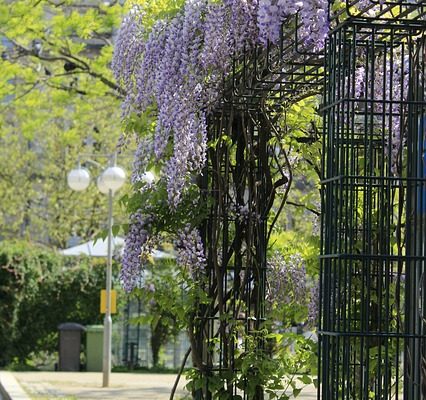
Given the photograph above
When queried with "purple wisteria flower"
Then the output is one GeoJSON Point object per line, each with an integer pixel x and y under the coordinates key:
{"type": "Point", "coordinates": [178, 68]}
{"type": "Point", "coordinates": [217, 50]}
{"type": "Point", "coordinates": [387, 88]}
{"type": "Point", "coordinates": [286, 279]}
{"type": "Point", "coordinates": [190, 251]}
{"type": "Point", "coordinates": [137, 247]}
{"type": "Point", "coordinates": [313, 305]}
{"type": "Point", "coordinates": [313, 19]}
{"type": "Point", "coordinates": [129, 47]}
{"type": "Point", "coordinates": [140, 162]}
{"type": "Point", "coordinates": [315, 24]}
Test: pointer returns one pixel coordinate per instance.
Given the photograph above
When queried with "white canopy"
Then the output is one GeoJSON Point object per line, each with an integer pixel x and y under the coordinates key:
{"type": "Point", "coordinates": [100, 249]}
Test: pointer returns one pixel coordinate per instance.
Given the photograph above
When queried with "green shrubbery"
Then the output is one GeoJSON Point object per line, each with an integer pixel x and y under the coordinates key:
{"type": "Point", "coordinates": [39, 289]}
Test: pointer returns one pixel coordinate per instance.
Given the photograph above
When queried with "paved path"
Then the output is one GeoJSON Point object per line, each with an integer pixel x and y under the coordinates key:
{"type": "Point", "coordinates": [10, 388]}
{"type": "Point", "coordinates": [88, 385]}
{"type": "Point", "coordinates": [124, 386]}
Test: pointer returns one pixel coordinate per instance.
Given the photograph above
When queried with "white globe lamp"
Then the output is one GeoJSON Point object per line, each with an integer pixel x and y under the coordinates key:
{"type": "Point", "coordinates": [102, 187]}
{"type": "Point", "coordinates": [113, 178]}
{"type": "Point", "coordinates": [78, 179]}
{"type": "Point", "coordinates": [148, 177]}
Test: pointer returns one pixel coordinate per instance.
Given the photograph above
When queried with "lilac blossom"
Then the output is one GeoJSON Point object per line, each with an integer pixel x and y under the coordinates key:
{"type": "Point", "coordinates": [315, 24]}
{"type": "Point", "coordinates": [312, 14]}
{"type": "Point", "coordinates": [129, 47]}
{"type": "Point", "coordinates": [359, 88]}
{"type": "Point", "coordinates": [179, 69]}
{"type": "Point", "coordinates": [392, 86]}
{"type": "Point", "coordinates": [271, 14]}
{"type": "Point", "coordinates": [243, 27]}
{"type": "Point", "coordinates": [150, 287]}
{"type": "Point", "coordinates": [146, 70]}
{"type": "Point", "coordinates": [387, 86]}
{"type": "Point", "coordinates": [217, 50]}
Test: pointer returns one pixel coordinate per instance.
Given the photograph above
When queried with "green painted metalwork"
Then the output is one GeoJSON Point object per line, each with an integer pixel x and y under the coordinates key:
{"type": "Point", "coordinates": [373, 275]}
{"type": "Point", "coordinates": [372, 328]}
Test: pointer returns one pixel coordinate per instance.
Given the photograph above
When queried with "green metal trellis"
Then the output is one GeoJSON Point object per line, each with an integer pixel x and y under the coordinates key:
{"type": "Point", "coordinates": [372, 328]}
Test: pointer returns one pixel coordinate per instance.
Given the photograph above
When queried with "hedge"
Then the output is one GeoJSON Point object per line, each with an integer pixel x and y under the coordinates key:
{"type": "Point", "coordinates": [40, 289]}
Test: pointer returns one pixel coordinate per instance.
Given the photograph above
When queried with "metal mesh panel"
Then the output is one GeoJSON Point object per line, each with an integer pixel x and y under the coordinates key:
{"type": "Point", "coordinates": [392, 11]}
{"type": "Point", "coordinates": [372, 325]}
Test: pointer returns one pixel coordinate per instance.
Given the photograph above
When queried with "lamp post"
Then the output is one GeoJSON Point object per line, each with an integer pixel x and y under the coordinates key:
{"type": "Point", "coordinates": [108, 182]}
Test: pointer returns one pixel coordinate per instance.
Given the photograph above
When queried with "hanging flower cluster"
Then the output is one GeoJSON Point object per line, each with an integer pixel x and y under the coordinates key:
{"type": "Point", "coordinates": [129, 45]}
{"type": "Point", "coordinates": [387, 89]}
{"type": "Point", "coordinates": [313, 305]}
{"type": "Point", "coordinates": [137, 247]}
{"type": "Point", "coordinates": [177, 69]}
{"type": "Point", "coordinates": [391, 80]}
{"type": "Point", "coordinates": [190, 251]}
{"type": "Point", "coordinates": [286, 279]}
{"type": "Point", "coordinates": [141, 159]}
{"type": "Point", "coordinates": [312, 17]}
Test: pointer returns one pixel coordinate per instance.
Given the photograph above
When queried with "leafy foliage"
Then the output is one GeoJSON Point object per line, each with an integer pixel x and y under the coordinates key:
{"type": "Point", "coordinates": [282, 368]}
{"type": "Point", "coordinates": [163, 299]}
{"type": "Point", "coordinates": [58, 100]}
{"type": "Point", "coordinates": [41, 289]}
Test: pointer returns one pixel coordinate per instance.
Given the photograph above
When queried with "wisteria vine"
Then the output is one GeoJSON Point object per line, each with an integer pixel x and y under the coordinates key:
{"type": "Point", "coordinates": [178, 66]}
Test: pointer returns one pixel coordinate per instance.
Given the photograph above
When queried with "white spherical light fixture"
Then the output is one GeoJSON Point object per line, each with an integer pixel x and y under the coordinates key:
{"type": "Point", "coordinates": [148, 177]}
{"type": "Point", "coordinates": [78, 179]}
{"type": "Point", "coordinates": [101, 185]}
{"type": "Point", "coordinates": [113, 178]}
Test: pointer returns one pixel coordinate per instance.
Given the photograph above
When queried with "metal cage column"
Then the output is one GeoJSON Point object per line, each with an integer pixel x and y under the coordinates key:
{"type": "Point", "coordinates": [372, 327]}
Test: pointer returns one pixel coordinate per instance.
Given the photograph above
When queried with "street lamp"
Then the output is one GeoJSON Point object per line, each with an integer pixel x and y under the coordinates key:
{"type": "Point", "coordinates": [108, 182]}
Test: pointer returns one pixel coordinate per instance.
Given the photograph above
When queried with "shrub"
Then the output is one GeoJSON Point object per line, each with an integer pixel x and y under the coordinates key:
{"type": "Point", "coordinates": [39, 289]}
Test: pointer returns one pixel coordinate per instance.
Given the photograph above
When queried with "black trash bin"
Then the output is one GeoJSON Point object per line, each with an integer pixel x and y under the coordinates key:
{"type": "Point", "coordinates": [69, 346]}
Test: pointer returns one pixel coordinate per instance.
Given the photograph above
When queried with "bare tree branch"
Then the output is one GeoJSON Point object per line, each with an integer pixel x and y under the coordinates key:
{"type": "Point", "coordinates": [67, 57]}
{"type": "Point", "coordinates": [292, 203]}
{"type": "Point", "coordinates": [66, 88]}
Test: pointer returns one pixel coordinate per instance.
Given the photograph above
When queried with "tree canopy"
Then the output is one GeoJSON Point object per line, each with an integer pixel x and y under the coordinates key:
{"type": "Point", "coordinates": [59, 101]}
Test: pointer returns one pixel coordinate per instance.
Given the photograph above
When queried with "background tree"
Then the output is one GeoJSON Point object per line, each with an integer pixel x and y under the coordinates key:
{"type": "Point", "coordinates": [59, 100]}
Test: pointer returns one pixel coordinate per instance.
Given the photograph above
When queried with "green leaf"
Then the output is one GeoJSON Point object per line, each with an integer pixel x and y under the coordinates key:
{"type": "Point", "coordinates": [116, 230]}
{"type": "Point", "coordinates": [102, 235]}
{"type": "Point", "coordinates": [306, 379]}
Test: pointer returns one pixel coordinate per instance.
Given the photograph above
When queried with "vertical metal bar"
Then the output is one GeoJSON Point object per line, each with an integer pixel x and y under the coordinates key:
{"type": "Point", "coordinates": [106, 365]}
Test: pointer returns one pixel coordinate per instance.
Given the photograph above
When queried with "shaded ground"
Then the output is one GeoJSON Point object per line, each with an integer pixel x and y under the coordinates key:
{"type": "Point", "coordinates": [124, 386]}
